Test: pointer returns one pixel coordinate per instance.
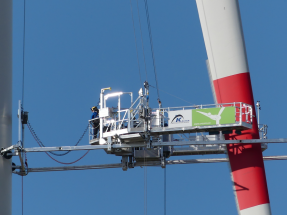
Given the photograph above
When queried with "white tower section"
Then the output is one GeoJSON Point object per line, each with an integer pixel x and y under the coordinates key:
{"type": "Point", "coordinates": [228, 67]}
{"type": "Point", "coordinates": [5, 104]}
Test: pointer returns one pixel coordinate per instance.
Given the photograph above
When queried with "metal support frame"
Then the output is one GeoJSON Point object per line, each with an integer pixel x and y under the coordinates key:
{"type": "Point", "coordinates": [138, 164]}
{"type": "Point", "coordinates": [133, 145]}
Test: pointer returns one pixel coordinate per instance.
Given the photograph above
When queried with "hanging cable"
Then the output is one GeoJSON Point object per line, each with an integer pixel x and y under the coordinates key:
{"type": "Point", "coordinates": [142, 40]}
{"type": "Point", "coordinates": [164, 194]}
{"type": "Point", "coordinates": [23, 63]}
{"type": "Point", "coordinates": [54, 158]}
{"type": "Point", "coordinates": [69, 162]}
{"type": "Point", "coordinates": [42, 145]}
{"type": "Point", "coordinates": [136, 43]}
{"type": "Point", "coordinates": [24, 39]}
{"type": "Point", "coordinates": [22, 195]}
{"type": "Point", "coordinates": [145, 184]}
{"type": "Point", "coordinates": [151, 45]}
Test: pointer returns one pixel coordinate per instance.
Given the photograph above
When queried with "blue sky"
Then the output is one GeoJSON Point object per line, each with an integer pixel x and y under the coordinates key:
{"type": "Point", "coordinates": [74, 48]}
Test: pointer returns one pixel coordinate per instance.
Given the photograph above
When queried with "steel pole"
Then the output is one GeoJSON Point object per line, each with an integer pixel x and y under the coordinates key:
{"type": "Point", "coordinates": [5, 104]}
{"type": "Point", "coordinates": [224, 41]}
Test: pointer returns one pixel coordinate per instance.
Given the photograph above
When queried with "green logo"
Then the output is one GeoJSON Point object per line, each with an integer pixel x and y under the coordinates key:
{"type": "Point", "coordinates": [213, 116]}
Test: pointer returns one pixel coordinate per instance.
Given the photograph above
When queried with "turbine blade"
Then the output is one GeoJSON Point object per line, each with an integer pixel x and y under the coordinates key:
{"type": "Point", "coordinates": [220, 112]}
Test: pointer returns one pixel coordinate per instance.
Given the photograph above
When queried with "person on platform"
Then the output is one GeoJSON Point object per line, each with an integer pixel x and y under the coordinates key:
{"type": "Point", "coordinates": [95, 123]}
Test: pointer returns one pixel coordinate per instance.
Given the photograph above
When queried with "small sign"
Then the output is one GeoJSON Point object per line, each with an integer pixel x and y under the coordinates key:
{"type": "Point", "coordinates": [201, 117]}
{"type": "Point", "coordinates": [180, 118]}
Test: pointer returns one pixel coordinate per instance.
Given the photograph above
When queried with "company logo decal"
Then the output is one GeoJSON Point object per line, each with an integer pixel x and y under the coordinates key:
{"type": "Point", "coordinates": [179, 119]}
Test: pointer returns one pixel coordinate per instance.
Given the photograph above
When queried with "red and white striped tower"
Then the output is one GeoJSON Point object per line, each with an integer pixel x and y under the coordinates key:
{"type": "Point", "coordinates": [227, 61]}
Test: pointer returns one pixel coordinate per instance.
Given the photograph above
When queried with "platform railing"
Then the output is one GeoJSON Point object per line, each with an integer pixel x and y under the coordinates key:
{"type": "Point", "coordinates": [158, 117]}
{"type": "Point", "coordinates": [243, 111]}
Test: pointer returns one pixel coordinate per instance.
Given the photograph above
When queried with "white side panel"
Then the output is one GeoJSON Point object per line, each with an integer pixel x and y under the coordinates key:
{"type": "Point", "coordinates": [222, 31]}
{"type": "Point", "coordinates": [180, 118]}
{"type": "Point", "coordinates": [257, 210]}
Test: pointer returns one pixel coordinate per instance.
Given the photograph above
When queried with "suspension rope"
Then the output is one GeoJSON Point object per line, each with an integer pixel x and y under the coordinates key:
{"type": "Point", "coordinates": [142, 40]}
{"type": "Point", "coordinates": [151, 45]}
{"type": "Point", "coordinates": [22, 195]}
{"type": "Point", "coordinates": [23, 63]}
{"type": "Point", "coordinates": [145, 184]}
{"type": "Point", "coordinates": [164, 187]}
{"type": "Point", "coordinates": [24, 39]}
{"type": "Point", "coordinates": [172, 95]}
{"type": "Point", "coordinates": [136, 43]}
{"type": "Point", "coordinates": [42, 145]}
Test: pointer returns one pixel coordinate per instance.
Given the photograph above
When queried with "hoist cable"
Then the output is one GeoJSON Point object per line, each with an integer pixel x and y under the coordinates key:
{"type": "Point", "coordinates": [23, 64]}
{"type": "Point", "coordinates": [42, 145]}
{"type": "Point", "coordinates": [151, 45]}
{"type": "Point", "coordinates": [136, 43]}
{"type": "Point", "coordinates": [145, 184]}
{"type": "Point", "coordinates": [142, 40]}
{"type": "Point", "coordinates": [22, 194]}
{"type": "Point", "coordinates": [164, 194]}
{"type": "Point", "coordinates": [24, 39]}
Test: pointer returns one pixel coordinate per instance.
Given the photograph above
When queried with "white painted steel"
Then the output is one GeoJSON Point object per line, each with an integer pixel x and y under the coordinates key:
{"type": "Point", "coordinates": [5, 104]}
{"type": "Point", "coordinates": [137, 164]}
{"type": "Point", "coordinates": [257, 210]}
{"type": "Point", "coordinates": [132, 145]}
{"type": "Point", "coordinates": [223, 35]}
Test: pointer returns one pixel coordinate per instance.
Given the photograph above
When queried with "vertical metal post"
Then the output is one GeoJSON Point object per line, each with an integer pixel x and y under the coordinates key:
{"type": "Point", "coordinates": [240, 112]}
{"type": "Point", "coordinates": [129, 120]}
{"type": "Point", "coordinates": [258, 109]}
{"type": "Point", "coordinates": [102, 141]}
{"type": "Point", "coordinates": [119, 112]}
{"type": "Point", "coordinates": [101, 119]}
{"type": "Point", "coordinates": [19, 123]}
{"type": "Point", "coordinates": [5, 104]}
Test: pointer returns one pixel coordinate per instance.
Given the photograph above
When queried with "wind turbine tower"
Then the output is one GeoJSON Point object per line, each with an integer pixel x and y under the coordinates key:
{"type": "Point", "coordinates": [228, 67]}
{"type": "Point", "coordinates": [5, 104]}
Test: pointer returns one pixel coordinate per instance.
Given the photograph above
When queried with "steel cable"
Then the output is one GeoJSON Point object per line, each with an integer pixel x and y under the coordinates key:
{"type": "Point", "coordinates": [136, 43]}
{"type": "Point", "coordinates": [35, 137]}
{"type": "Point", "coordinates": [151, 45]}
{"type": "Point", "coordinates": [42, 145]}
{"type": "Point", "coordinates": [142, 40]}
{"type": "Point", "coordinates": [24, 39]}
{"type": "Point", "coordinates": [164, 187]}
{"type": "Point", "coordinates": [145, 184]}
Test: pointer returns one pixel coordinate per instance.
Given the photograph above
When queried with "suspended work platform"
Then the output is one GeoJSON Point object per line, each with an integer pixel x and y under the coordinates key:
{"type": "Point", "coordinates": [140, 123]}
{"type": "Point", "coordinates": [144, 135]}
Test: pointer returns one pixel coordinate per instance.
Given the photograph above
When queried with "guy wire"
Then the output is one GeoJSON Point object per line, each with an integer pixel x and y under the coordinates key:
{"type": "Point", "coordinates": [136, 43]}
{"type": "Point", "coordinates": [151, 45]}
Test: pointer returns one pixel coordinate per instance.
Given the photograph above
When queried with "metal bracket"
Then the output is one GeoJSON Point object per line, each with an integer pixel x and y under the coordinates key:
{"type": "Point", "coordinates": [125, 160]}
{"type": "Point", "coordinates": [162, 158]}
{"type": "Point", "coordinates": [109, 143]}
{"type": "Point", "coordinates": [9, 148]}
{"type": "Point", "coordinates": [163, 162]}
{"type": "Point", "coordinates": [131, 162]}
